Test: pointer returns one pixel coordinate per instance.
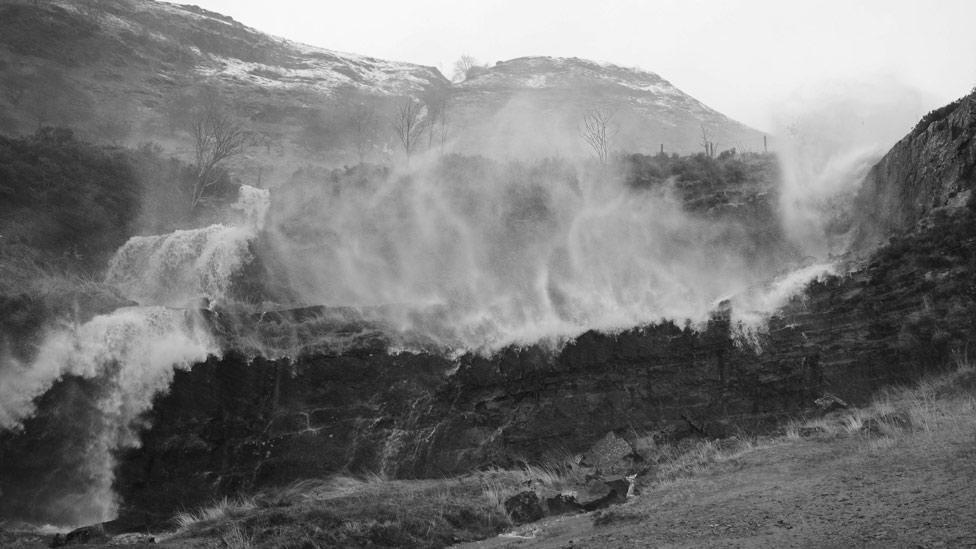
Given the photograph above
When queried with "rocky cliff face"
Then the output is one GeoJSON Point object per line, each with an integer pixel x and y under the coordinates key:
{"type": "Point", "coordinates": [234, 424]}
{"type": "Point", "coordinates": [931, 168]}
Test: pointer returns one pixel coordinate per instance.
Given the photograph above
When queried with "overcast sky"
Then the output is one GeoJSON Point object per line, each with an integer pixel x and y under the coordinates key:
{"type": "Point", "coordinates": [743, 58]}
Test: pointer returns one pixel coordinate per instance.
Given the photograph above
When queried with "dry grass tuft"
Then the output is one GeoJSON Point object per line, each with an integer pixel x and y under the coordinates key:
{"type": "Point", "coordinates": [219, 510]}
{"type": "Point", "coordinates": [934, 404]}
{"type": "Point", "coordinates": [347, 511]}
{"type": "Point", "coordinates": [236, 538]}
{"type": "Point", "coordinates": [676, 464]}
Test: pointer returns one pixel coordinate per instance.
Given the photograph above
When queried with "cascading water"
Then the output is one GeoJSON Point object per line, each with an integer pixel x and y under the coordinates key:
{"type": "Point", "coordinates": [131, 354]}
{"type": "Point", "coordinates": [179, 268]}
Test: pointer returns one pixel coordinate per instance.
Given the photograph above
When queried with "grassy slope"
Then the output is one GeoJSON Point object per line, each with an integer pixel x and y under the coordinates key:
{"type": "Point", "coordinates": [897, 473]}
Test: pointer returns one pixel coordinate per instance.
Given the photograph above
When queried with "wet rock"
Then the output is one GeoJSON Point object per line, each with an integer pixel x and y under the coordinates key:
{"type": "Point", "coordinates": [602, 493]}
{"type": "Point", "coordinates": [524, 507]}
{"type": "Point", "coordinates": [82, 536]}
{"type": "Point", "coordinates": [562, 504]}
{"type": "Point", "coordinates": [612, 454]}
{"type": "Point", "coordinates": [828, 403]}
{"type": "Point", "coordinates": [133, 539]}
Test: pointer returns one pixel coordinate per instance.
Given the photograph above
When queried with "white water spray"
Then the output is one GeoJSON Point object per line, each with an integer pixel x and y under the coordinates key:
{"type": "Point", "coordinates": [132, 352]}
{"type": "Point", "coordinates": [829, 138]}
{"type": "Point", "coordinates": [179, 268]}
{"type": "Point", "coordinates": [513, 255]}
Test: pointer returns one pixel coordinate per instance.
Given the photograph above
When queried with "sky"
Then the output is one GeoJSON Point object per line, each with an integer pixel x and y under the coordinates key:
{"type": "Point", "coordinates": [745, 58]}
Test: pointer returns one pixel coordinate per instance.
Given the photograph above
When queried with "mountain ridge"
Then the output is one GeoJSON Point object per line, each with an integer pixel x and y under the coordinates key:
{"type": "Point", "coordinates": [136, 65]}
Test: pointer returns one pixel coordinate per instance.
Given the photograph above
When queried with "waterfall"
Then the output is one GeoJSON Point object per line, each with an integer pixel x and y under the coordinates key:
{"type": "Point", "coordinates": [129, 356]}
{"type": "Point", "coordinates": [179, 268]}
{"type": "Point", "coordinates": [131, 353]}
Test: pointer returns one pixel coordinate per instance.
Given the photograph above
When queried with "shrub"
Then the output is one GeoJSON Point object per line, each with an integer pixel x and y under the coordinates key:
{"type": "Point", "coordinates": [65, 197]}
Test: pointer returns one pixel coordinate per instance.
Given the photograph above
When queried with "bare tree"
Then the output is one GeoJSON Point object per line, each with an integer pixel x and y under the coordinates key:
{"type": "Point", "coordinates": [597, 130]}
{"type": "Point", "coordinates": [409, 124]}
{"type": "Point", "coordinates": [707, 143]}
{"type": "Point", "coordinates": [463, 66]}
{"type": "Point", "coordinates": [442, 127]}
{"type": "Point", "coordinates": [217, 137]}
{"type": "Point", "coordinates": [364, 126]}
{"type": "Point", "coordinates": [435, 122]}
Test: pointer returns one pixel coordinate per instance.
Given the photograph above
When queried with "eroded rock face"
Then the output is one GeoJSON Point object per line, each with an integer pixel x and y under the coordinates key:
{"type": "Point", "coordinates": [932, 167]}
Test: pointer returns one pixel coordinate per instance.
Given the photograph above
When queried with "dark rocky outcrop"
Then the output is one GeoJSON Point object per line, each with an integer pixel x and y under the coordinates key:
{"type": "Point", "coordinates": [524, 507]}
{"type": "Point", "coordinates": [932, 167]}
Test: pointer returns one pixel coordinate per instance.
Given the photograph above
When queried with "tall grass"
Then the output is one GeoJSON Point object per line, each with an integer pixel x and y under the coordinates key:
{"type": "Point", "coordinates": [218, 510]}
{"type": "Point", "coordinates": [349, 511]}
{"type": "Point", "coordinates": [935, 404]}
{"type": "Point", "coordinates": [236, 538]}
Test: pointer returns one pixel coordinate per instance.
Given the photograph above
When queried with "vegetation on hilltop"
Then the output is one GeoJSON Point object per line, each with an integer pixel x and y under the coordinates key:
{"type": "Point", "coordinates": [700, 171]}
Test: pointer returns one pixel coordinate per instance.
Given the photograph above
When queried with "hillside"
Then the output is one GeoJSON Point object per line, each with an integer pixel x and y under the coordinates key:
{"type": "Point", "coordinates": [533, 106]}
{"type": "Point", "coordinates": [127, 71]}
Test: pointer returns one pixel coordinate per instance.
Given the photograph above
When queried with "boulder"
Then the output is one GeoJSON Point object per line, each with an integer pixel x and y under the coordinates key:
{"type": "Point", "coordinates": [524, 507]}
{"type": "Point", "coordinates": [602, 493]}
{"type": "Point", "coordinates": [82, 536]}
{"type": "Point", "coordinates": [562, 504]}
{"type": "Point", "coordinates": [612, 455]}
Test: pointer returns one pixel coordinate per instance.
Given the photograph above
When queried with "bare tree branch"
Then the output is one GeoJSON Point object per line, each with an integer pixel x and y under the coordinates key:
{"type": "Point", "coordinates": [463, 66]}
{"type": "Point", "coordinates": [409, 124]}
{"type": "Point", "coordinates": [598, 130]}
{"type": "Point", "coordinates": [436, 120]}
{"type": "Point", "coordinates": [217, 137]}
{"type": "Point", "coordinates": [707, 143]}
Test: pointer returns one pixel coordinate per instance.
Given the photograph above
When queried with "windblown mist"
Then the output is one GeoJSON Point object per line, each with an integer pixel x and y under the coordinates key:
{"type": "Point", "coordinates": [828, 139]}
{"type": "Point", "coordinates": [478, 254]}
